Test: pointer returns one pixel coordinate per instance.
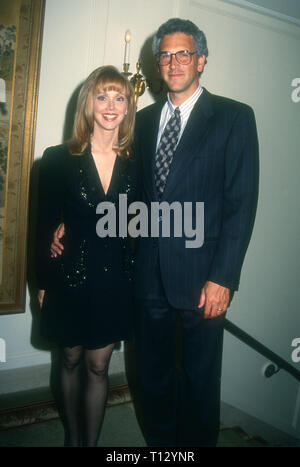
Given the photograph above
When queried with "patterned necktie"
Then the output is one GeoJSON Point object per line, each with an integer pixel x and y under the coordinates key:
{"type": "Point", "coordinates": [165, 151]}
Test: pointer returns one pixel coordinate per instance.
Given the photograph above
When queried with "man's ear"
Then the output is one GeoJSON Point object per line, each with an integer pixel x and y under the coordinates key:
{"type": "Point", "coordinates": [201, 63]}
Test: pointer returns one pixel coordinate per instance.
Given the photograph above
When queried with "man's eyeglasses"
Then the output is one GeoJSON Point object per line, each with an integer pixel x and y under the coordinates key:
{"type": "Point", "coordinates": [184, 57]}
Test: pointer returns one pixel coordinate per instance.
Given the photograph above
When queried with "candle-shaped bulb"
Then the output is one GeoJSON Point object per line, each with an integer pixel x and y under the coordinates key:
{"type": "Point", "coordinates": [127, 46]}
{"type": "Point", "coordinates": [127, 36]}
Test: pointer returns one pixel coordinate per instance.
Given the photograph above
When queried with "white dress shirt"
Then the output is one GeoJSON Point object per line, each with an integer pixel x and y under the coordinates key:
{"type": "Point", "coordinates": [185, 110]}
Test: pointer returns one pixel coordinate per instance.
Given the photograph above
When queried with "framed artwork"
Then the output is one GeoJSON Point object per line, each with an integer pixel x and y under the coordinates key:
{"type": "Point", "coordinates": [21, 26]}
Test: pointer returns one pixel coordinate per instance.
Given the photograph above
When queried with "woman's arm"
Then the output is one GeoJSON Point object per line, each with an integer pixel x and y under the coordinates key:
{"type": "Point", "coordinates": [50, 212]}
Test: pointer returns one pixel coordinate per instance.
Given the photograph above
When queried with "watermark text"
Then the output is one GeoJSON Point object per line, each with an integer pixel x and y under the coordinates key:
{"type": "Point", "coordinates": [2, 351]}
{"type": "Point", "coordinates": [296, 352]}
{"type": "Point", "coordinates": [296, 92]}
{"type": "Point", "coordinates": [161, 219]}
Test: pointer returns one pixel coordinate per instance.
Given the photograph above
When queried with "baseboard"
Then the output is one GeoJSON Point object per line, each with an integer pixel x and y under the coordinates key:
{"type": "Point", "coordinates": [31, 376]}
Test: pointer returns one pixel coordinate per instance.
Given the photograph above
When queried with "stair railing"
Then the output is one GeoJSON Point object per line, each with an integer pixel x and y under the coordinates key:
{"type": "Point", "coordinates": [270, 370]}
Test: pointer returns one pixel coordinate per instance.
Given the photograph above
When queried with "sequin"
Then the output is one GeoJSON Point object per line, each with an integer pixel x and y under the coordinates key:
{"type": "Point", "coordinates": [84, 196]}
{"type": "Point", "coordinates": [75, 273]}
{"type": "Point", "coordinates": [127, 259]}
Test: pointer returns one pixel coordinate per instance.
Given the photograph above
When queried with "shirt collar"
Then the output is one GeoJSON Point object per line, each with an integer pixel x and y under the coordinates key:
{"type": "Point", "coordinates": [186, 103]}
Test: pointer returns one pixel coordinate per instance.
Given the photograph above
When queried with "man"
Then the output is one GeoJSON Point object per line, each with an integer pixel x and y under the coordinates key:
{"type": "Point", "coordinates": [214, 160]}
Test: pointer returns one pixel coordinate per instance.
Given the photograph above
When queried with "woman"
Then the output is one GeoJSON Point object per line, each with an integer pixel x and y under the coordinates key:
{"type": "Point", "coordinates": [85, 295]}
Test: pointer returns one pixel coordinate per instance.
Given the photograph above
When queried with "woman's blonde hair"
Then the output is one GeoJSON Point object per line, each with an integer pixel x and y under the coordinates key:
{"type": "Point", "coordinates": [107, 78]}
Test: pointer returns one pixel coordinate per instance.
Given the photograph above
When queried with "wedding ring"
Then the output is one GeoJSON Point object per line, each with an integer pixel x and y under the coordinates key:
{"type": "Point", "coordinates": [219, 310]}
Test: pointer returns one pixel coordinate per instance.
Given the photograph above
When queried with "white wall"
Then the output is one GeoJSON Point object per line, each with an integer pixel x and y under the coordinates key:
{"type": "Point", "coordinates": [253, 58]}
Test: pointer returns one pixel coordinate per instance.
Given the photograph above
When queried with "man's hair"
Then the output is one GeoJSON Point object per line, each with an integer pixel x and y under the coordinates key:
{"type": "Point", "coordinates": [175, 25]}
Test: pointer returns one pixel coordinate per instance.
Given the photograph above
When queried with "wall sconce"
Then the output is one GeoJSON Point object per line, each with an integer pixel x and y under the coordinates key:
{"type": "Point", "coordinates": [138, 81]}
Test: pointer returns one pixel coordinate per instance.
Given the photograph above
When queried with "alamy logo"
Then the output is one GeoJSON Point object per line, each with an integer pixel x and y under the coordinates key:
{"type": "Point", "coordinates": [2, 351]}
{"type": "Point", "coordinates": [175, 219]}
{"type": "Point", "coordinates": [296, 92]}
{"type": "Point", "coordinates": [296, 352]}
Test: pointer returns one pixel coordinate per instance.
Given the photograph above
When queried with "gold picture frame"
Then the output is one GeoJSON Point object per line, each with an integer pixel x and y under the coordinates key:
{"type": "Point", "coordinates": [21, 27]}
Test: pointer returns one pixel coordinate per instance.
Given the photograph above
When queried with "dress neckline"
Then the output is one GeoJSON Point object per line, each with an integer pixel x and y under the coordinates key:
{"type": "Point", "coordinates": [97, 176]}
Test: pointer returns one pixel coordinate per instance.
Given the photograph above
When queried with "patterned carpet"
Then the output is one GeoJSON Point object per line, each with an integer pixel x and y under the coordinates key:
{"type": "Point", "coordinates": [31, 420]}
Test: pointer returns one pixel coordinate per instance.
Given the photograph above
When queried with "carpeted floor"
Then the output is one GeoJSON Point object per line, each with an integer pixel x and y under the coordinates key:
{"type": "Point", "coordinates": [31, 419]}
{"type": "Point", "coordinates": [120, 429]}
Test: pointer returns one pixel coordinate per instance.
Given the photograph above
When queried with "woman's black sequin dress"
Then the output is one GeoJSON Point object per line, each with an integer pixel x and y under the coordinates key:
{"type": "Point", "coordinates": [88, 290]}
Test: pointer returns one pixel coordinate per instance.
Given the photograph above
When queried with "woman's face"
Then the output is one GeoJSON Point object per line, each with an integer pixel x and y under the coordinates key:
{"type": "Point", "coordinates": [110, 108]}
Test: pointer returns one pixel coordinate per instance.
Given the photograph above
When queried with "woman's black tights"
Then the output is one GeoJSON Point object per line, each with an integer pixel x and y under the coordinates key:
{"type": "Point", "coordinates": [83, 418]}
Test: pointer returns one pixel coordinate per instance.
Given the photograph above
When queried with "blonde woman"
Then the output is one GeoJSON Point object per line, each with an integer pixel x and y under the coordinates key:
{"type": "Point", "coordinates": [85, 294]}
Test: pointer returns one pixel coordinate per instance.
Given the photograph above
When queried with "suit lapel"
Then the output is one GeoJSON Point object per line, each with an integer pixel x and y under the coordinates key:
{"type": "Point", "coordinates": [191, 140]}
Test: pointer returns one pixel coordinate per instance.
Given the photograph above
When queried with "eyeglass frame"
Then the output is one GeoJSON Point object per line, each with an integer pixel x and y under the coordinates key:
{"type": "Point", "coordinates": [175, 53]}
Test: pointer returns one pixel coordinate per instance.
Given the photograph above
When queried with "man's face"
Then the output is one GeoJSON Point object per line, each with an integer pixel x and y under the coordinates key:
{"type": "Point", "coordinates": [181, 78]}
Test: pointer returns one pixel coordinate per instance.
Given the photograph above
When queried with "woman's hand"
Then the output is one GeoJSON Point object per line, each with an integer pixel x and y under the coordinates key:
{"type": "Point", "coordinates": [57, 247]}
{"type": "Point", "coordinates": [41, 294]}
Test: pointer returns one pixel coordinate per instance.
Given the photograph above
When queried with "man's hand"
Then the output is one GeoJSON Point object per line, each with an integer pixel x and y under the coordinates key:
{"type": "Point", "coordinates": [41, 294]}
{"type": "Point", "coordinates": [215, 299]}
{"type": "Point", "coordinates": [57, 247]}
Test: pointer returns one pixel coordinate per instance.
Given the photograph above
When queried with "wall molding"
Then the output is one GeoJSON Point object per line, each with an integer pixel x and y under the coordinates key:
{"type": "Point", "coordinates": [25, 359]}
{"type": "Point", "coordinates": [15, 361]}
{"type": "Point", "coordinates": [263, 10]}
{"type": "Point", "coordinates": [98, 21]}
{"type": "Point", "coordinates": [177, 7]}
{"type": "Point", "coordinates": [253, 17]}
